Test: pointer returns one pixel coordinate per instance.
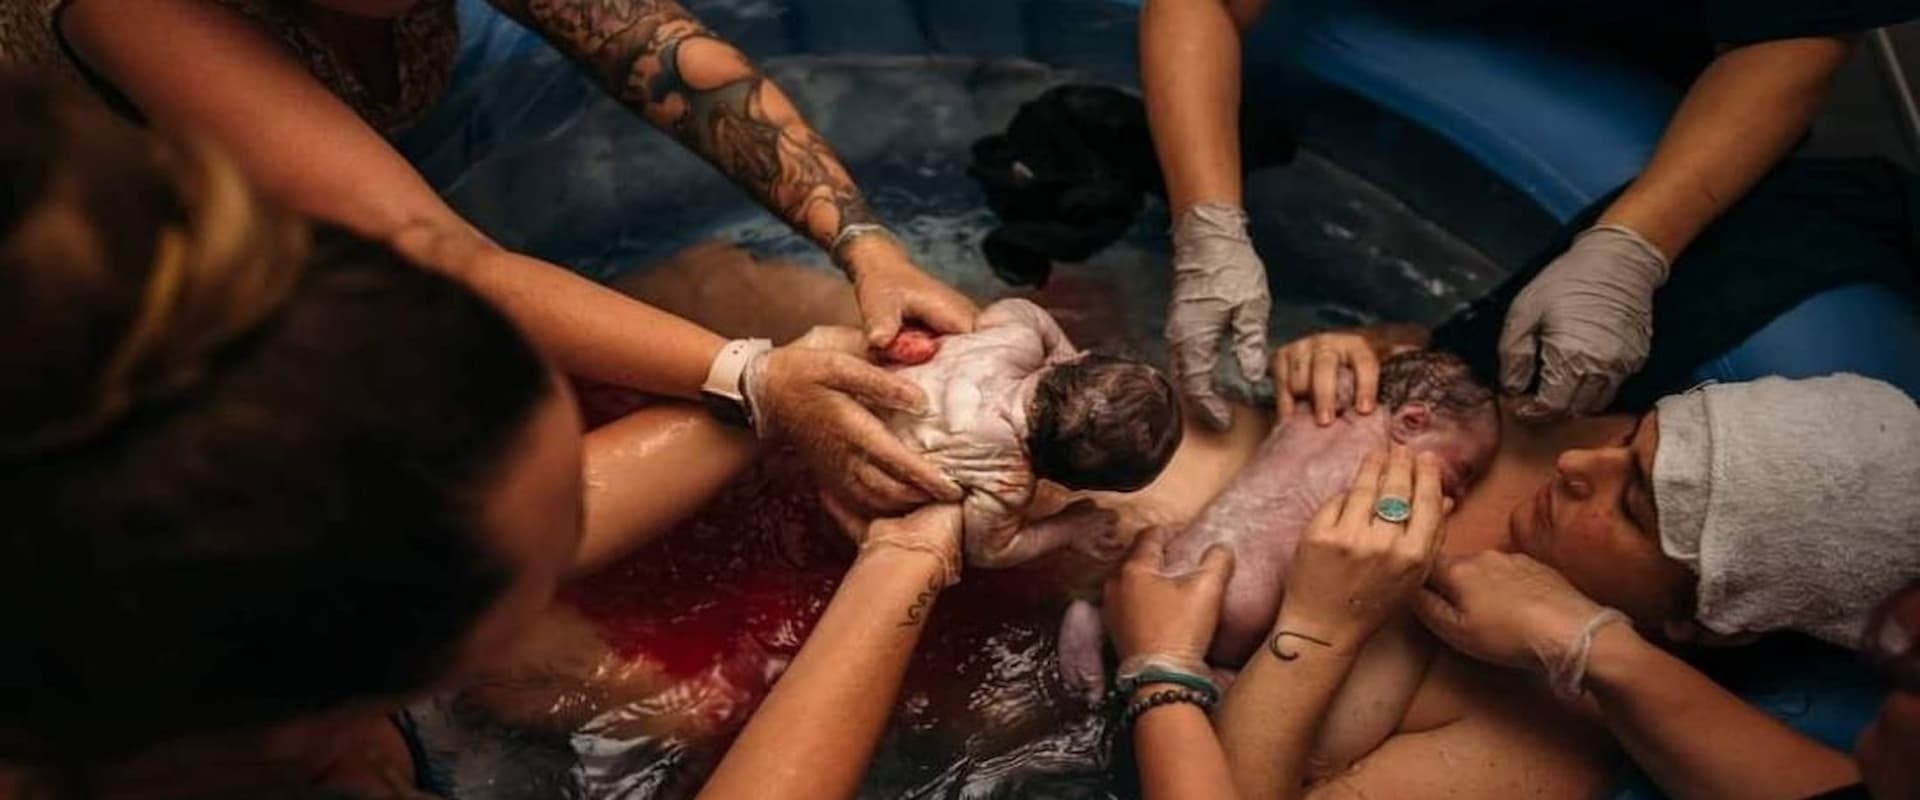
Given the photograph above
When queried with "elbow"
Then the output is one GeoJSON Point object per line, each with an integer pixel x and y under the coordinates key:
{"type": "Point", "coordinates": [454, 251]}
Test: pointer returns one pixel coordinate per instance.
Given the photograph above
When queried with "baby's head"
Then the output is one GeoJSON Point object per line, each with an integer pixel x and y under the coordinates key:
{"type": "Point", "coordinates": [1434, 404]}
{"type": "Point", "coordinates": [1102, 423]}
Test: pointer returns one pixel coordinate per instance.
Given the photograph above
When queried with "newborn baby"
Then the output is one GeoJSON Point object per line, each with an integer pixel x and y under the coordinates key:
{"type": "Point", "coordinates": [1428, 402]}
{"type": "Point", "coordinates": [1013, 403]}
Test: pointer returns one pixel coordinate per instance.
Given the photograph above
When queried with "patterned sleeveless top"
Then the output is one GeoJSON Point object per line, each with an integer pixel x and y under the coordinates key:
{"type": "Point", "coordinates": [426, 39]}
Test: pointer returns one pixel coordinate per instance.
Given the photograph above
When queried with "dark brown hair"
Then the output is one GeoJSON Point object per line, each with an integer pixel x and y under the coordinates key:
{"type": "Point", "coordinates": [1103, 424]}
{"type": "Point", "coordinates": [1441, 380]}
{"type": "Point", "coordinates": [242, 464]}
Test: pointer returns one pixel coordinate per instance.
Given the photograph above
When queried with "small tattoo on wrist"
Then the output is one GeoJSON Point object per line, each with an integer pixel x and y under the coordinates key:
{"type": "Point", "coordinates": [1281, 652]}
{"type": "Point", "coordinates": [917, 613]}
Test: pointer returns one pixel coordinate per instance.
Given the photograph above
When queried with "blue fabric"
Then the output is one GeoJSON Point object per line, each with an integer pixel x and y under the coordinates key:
{"type": "Point", "coordinates": [1866, 329]}
{"type": "Point", "coordinates": [1562, 126]}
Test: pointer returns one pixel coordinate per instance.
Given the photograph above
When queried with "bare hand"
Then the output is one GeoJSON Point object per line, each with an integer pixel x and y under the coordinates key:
{"type": "Point", "coordinates": [891, 290]}
{"type": "Point", "coordinates": [1353, 569]}
{"type": "Point", "coordinates": [1308, 369]}
{"type": "Point", "coordinates": [1504, 608]}
{"type": "Point", "coordinates": [934, 530]}
{"type": "Point", "coordinates": [818, 400]}
{"type": "Point", "coordinates": [1153, 613]}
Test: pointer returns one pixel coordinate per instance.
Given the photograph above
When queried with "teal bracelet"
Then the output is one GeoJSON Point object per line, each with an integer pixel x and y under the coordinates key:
{"type": "Point", "coordinates": [1186, 680]}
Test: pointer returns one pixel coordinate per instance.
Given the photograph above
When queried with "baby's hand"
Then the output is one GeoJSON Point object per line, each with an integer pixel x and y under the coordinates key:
{"type": "Point", "coordinates": [912, 345]}
{"type": "Point", "coordinates": [1099, 534]}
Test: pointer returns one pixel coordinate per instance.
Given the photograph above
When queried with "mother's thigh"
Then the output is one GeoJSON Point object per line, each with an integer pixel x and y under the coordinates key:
{"type": "Point", "coordinates": [725, 289]}
{"type": "Point", "coordinates": [1868, 329]}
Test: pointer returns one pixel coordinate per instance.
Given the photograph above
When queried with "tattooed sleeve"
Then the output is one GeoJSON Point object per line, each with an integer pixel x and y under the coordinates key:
{"type": "Point", "coordinates": [659, 60]}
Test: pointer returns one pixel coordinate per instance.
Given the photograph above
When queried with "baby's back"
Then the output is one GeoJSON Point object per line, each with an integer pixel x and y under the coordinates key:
{"type": "Point", "coordinates": [975, 426]}
{"type": "Point", "coordinates": [968, 384]}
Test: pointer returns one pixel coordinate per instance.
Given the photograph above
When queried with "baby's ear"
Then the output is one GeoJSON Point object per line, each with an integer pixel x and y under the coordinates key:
{"type": "Point", "coordinates": [1409, 421]}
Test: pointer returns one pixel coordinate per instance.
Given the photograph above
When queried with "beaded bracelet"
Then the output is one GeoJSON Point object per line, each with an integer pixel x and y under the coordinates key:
{"type": "Point", "coordinates": [1164, 697]}
{"type": "Point", "coordinates": [1126, 683]}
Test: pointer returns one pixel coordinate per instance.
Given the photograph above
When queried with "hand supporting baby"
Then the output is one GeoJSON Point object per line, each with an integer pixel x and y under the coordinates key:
{"type": "Point", "coordinates": [934, 530]}
{"type": "Point", "coordinates": [1160, 615]}
{"type": "Point", "coordinates": [824, 384]}
{"type": "Point", "coordinates": [1355, 568]}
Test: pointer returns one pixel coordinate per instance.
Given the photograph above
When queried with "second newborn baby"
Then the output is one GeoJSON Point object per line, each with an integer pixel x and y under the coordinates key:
{"type": "Point", "coordinates": [1013, 403]}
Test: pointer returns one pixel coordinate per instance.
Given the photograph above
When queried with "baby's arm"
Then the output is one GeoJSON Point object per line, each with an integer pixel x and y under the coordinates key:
{"type": "Point", "coordinates": [1010, 540]}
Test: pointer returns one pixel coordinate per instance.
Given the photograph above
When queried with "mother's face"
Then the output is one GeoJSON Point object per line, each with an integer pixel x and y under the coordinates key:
{"type": "Point", "coordinates": [1594, 520]}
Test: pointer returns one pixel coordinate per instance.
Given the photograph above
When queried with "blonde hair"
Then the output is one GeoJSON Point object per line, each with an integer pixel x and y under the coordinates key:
{"type": "Point", "coordinates": [217, 264]}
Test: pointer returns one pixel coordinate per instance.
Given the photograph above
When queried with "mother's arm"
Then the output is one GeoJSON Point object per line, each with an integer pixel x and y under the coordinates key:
{"type": "Point", "coordinates": [195, 66]}
{"type": "Point", "coordinates": [1696, 739]}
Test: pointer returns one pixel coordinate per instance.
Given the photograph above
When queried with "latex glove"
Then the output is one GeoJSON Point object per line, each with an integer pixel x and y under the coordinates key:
{"type": "Point", "coordinates": [891, 289]}
{"type": "Point", "coordinates": [1508, 609]}
{"type": "Point", "coordinates": [1353, 569]}
{"type": "Point", "coordinates": [1586, 321]}
{"type": "Point", "coordinates": [818, 400]}
{"type": "Point", "coordinates": [934, 530]}
{"type": "Point", "coordinates": [1170, 616]}
{"type": "Point", "coordinates": [1218, 281]}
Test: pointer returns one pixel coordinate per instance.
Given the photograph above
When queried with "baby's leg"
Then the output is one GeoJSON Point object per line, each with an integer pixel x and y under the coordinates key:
{"type": "Point", "coordinates": [1081, 636]}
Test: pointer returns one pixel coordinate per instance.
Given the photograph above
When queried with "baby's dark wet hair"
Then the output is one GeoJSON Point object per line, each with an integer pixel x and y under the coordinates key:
{"type": "Point", "coordinates": [1440, 380]}
{"type": "Point", "coordinates": [1103, 423]}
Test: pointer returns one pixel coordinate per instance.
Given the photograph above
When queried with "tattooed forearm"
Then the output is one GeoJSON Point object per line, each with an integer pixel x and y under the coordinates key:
{"type": "Point", "coordinates": [923, 602]}
{"type": "Point", "coordinates": [654, 56]}
{"type": "Point", "coordinates": [1275, 645]}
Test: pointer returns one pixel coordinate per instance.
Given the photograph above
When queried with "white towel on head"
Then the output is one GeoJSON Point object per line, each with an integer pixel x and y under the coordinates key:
{"type": "Point", "coordinates": [1797, 502]}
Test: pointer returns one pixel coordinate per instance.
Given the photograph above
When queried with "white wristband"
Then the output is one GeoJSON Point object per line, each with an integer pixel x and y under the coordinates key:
{"type": "Point", "coordinates": [725, 390]}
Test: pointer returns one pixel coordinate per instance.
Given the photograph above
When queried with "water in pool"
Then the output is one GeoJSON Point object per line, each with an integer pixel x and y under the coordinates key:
{"type": "Point", "coordinates": [650, 666]}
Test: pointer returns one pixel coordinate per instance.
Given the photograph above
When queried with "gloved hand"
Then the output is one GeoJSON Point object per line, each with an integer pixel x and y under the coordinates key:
{"type": "Point", "coordinates": [1586, 321]}
{"type": "Point", "coordinates": [816, 396]}
{"type": "Point", "coordinates": [1217, 281]}
{"type": "Point", "coordinates": [1508, 609]}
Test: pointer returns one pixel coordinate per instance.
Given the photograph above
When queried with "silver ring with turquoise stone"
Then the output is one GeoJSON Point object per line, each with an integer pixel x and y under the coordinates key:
{"type": "Point", "coordinates": [1393, 509]}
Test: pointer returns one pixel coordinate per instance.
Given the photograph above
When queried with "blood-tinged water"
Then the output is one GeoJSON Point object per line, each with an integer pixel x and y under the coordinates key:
{"type": "Point", "coordinates": [721, 604]}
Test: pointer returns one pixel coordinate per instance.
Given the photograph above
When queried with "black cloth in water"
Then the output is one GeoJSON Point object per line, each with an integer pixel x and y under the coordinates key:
{"type": "Point", "coordinates": [1070, 174]}
{"type": "Point", "coordinates": [1811, 225]}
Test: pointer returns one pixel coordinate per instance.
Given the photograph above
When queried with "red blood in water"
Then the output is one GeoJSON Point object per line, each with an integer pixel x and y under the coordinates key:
{"type": "Point", "coordinates": [737, 575]}
{"type": "Point", "coordinates": [725, 598]}
{"type": "Point", "coordinates": [912, 345]}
